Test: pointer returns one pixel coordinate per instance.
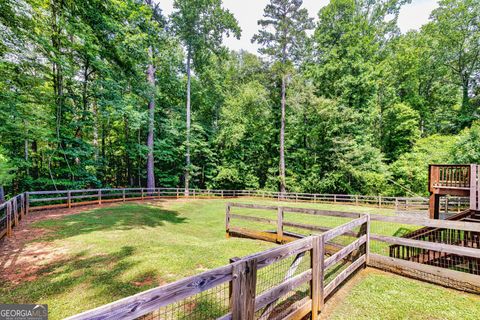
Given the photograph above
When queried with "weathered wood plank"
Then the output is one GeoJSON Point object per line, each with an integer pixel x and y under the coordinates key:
{"type": "Point", "coordinates": [435, 246]}
{"type": "Point", "coordinates": [332, 260]}
{"type": "Point", "coordinates": [243, 290]}
{"type": "Point", "coordinates": [290, 272]}
{"type": "Point", "coordinates": [276, 292]}
{"type": "Point", "coordinates": [260, 235]}
{"type": "Point", "coordinates": [151, 300]}
{"type": "Point", "coordinates": [318, 212]}
{"type": "Point", "coordinates": [252, 206]}
{"type": "Point", "coordinates": [279, 224]}
{"type": "Point", "coordinates": [344, 275]}
{"type": "Point", "coordinates": [315, 264]}
{"type": "Point", "coordinates": [458, 225]}
{"type": "Point", "coordinates": [446, 277]}
{"type": "Point", "coordinates": [329, 235]}
{"type": "Point", "coordinates": [298, 312]}
{"type": "Point", "coordinates": [251, 218]}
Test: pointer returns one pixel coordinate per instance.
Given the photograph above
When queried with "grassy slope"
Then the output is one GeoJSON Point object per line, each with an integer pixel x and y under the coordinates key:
{"type": "Point", "coordinates": [389, 297]}
{"type": "Point", "coordinates": [118, 251]}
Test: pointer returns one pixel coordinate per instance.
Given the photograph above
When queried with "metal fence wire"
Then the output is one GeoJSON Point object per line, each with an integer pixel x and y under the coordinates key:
{"type": "Point", "coordinates": [207, 305]}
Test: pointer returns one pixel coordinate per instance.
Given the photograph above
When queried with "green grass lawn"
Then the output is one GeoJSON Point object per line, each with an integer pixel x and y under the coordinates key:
{"type": "Point", "coordinates": [385, 296]}
{"type": "Point", "coordinates": [117, 251]}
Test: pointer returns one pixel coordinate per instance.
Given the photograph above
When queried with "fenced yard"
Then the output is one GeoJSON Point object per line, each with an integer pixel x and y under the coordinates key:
{"type": "Point", "coordinates": [113, 252]}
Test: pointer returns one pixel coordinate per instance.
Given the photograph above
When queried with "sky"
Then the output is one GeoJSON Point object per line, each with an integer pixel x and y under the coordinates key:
{"type": "Point", "coordinates": [248, 12]}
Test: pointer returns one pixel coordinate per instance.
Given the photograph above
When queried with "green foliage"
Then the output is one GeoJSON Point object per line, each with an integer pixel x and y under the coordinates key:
{"type": "Point", "coordinates": [6, 169]}
{"type": "Point", "coordinates": [410, 171]}
{"type": "Point", "coordinates": [467, 148]}
{"type": "Point", "coordinates": [401, 130]}
{"type": "Point", "coordinates": [367, 108]}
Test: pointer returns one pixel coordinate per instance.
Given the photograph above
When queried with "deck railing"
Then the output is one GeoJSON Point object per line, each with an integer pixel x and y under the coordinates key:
{"type": "Point", "coordinates": [451, 176]}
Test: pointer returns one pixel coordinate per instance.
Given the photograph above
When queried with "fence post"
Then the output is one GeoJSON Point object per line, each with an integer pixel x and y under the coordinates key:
{"type": "Point", "coordinates": [15, 210]}
{"type": "Point", "coordinates": [243, 290]}
{"type": "Point", "coordinates": [315, 264]}
{"type": "Point", "coordinates": [123, 195]}
{"type": "Point", "coordinates": [321, 271]}
{"type": "Point", "coordinates": [227, 220]}
{"type": "Point", "coordinates": [27, 203]}
{"type": "Point", "coordinates": [334, 198]}
{"type": "Point", "coordinates": [222, 194]}
{"type": "Point", "coordinates": [9, 219]}
{"type": "Point", "coordinates": [356, 200]}
{"type": "Point", "coordinates": [69, 199]}
{"type": "Point", "coordinates": [379, 201]}
{"type": "Point", "coordinates": [177, 192]}
{"type": "Point", "coordinates": [22, 205]}
{"type": "Point", "coordinates": [230, 284]}
{"type": "Point", "coordinates": [367, 243]}
{"type": "Point", "coordinates": [314, 198]}
{"type": "Point", "coordinates": [280, 224]}
{"type": "Point", "coordinates": [193, 193]}
{"type": "Point", "coordinates": [396, 204]}
{"type": "Point", "coordinates": [100, 196]}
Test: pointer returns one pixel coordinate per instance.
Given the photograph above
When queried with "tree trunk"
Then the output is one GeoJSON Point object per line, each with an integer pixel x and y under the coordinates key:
{"type": "Point", "coordinates": [95, 131]}
{"type": "Point", "coordinates": [2, 195]}
{"type": "Point", "coordinates": [151, 122]}
{"type": "Point", "coordinates": [187, 168]}
{"type": "Point", "coordinates": [466, 112]}
{"type": "Point", "coordinates": [282, 138]}
{"type": "Point", "coordinates": [26, 156]}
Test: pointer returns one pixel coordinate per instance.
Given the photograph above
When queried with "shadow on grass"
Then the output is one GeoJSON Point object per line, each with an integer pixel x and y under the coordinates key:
{"type": "Point", "coordinates": [102, 274]}
{"type": "Point", "coordinates": [123, 217]}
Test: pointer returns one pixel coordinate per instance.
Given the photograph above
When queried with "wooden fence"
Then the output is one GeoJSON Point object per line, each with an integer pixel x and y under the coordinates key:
{"type": "Point", "coordinates": [27, 202]}
{"type": "Point", "coordinates": [51, 199]}
{"type": "Point", "coordinates": [246, 301]}
{"type": "Point", "coordinates": [433, 259]}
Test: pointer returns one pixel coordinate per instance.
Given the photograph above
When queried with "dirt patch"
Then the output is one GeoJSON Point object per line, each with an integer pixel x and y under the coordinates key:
{"type": "Point", "coordinates": [21, 259]}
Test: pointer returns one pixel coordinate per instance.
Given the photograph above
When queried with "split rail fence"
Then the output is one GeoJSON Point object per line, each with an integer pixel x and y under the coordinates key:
{"type": "Point", "coordinates": [12, 211]}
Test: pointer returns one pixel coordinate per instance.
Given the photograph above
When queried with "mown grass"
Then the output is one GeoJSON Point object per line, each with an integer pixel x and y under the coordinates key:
{"type": "Point", "coordinates": [114, 252]}
{"type": "Point", "coordinates": [389, 297]}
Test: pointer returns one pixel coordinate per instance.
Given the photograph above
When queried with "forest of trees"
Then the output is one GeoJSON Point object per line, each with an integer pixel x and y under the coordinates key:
{"type": "Point", "coordinates": [114, 93]}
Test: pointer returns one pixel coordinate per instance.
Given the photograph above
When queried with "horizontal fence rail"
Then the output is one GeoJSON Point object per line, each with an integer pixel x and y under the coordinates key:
{"type": "Point", "coordinates": [440, 244]}
{"type": "Point", "coordinates": [16, 208]}
{"type": "Point", "coordinates": [290, 281]}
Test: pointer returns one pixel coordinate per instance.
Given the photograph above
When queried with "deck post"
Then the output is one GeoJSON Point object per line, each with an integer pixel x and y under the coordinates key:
{"type": "Point", "coordinates": [473, 187]}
